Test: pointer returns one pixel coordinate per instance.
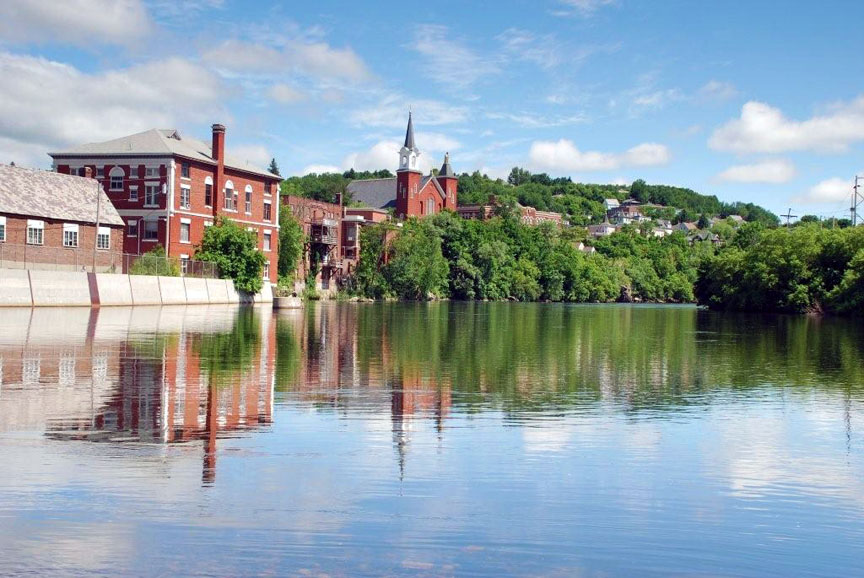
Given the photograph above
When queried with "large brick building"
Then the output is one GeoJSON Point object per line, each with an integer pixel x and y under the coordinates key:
{"type": "Point", "coordinates": [55, 221]}
{"type": "Point", "coordinates": [410, 193]}
{"type": "Point", "coordinates": [169, 187]}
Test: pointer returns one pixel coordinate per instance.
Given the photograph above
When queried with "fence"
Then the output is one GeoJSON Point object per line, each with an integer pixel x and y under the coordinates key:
{"type": "Point", "coordinates": [39, 257]}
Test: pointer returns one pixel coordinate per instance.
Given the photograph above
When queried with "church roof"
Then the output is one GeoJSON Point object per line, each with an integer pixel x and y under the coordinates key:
{"type": "Point", "coordinates": [409, 134]}
{"type": "Point", "coordinates": [446, 169]}
{"type": "Point", "coordinates": [375, 193]}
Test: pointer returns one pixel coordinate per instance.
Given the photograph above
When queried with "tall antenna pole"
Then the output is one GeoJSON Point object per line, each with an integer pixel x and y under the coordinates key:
{"type": "Point", "coordinates": [857, 199]}
{"type": "Point", "coordinates": [788, 216]}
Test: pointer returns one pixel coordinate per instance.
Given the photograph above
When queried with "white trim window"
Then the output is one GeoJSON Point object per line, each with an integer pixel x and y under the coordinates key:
{"type": "Point", "coordinates": [151, 195]}
{"type": "Point", "coordinates": [116, 179]}
{"type": "Point", "coordinates": [35, 232]}
{"type": "Point", "coordinates": [268, 211]}
{"type": "Point", "coordinates": [248, 199]}
{"type": "Point", "coordinates": [266, 270]}
{"type": "Point", "coordinates": [2, 229]}
{"type": "Point", "coordinates": [184, 264]}
{"type": "Point", "coordinates": [185, 230]}
{"type": "Point", "coordinates": [132, 228]}
{"type": "Point", "coordinates": [151, 172]}
{"type": "Point", "coordinates": [267, 240]}
{"type": "Point", "coordinates": [133, 193]}
{"type": "Point", "coordinates": [230, 196]}
{"type": "Point", "coordinates": [103, 238]}
{"type": "Point", "coordinates": [151, 230]}
{"type": "Point", "coordinates": [185, 196]}
{"type": "Point", "coordinates": [70, 235]}
{"type": "Point", "coordinates": [185, 170]}
{"type": "Point", "coordinates": [208, 192]}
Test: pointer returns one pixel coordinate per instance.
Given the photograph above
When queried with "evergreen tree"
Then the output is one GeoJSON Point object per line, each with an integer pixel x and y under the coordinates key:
{"type": "Point", "coordinates": [274, 168]}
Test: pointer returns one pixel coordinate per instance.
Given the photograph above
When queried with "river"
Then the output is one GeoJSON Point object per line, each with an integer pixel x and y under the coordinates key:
{"type": "Point", "coordinates": [430, 439]}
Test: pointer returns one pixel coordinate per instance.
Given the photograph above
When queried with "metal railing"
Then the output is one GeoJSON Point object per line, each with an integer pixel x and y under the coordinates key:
{"type": "Point", "coordinates": [40, 257]}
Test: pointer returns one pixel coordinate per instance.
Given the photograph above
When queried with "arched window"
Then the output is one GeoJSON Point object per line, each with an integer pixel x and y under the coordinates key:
{"type": "Point", "coordinates": [208, 191]}
{"type": "Point", "coordinates": [430, 206]}
{"type": "Point", "coordinates": [229, 197]}
{"type": "Point", "coordinates": [248, 199]}
{"type": "Point", "coordinates": [116, 175]}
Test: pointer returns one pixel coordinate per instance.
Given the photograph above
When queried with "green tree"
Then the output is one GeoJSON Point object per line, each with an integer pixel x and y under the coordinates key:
{"type": "Point", "coordinates": [291, 242]}
{"type": "Point", "coordinates": [274, 168]}
{"type": "Point", "coordinates": [703, 222]}
{"type": "Point", "coordinates": [155, 262]}
{"type": "Point", "coordinates": [235, 252]}
{"type": "Point", "coordinates": [417, 267]}
{"type": "Point", "coordinates": [518, 176]}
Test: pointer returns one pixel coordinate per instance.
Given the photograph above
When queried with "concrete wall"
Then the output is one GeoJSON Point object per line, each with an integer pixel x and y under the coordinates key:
{"type": "Point", "coordinates": [59, 288]}
{"type": "Point", "coordinates": [19, 288]}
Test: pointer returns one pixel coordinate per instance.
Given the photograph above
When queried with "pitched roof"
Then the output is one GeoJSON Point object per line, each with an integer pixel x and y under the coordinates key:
{"type": "Point", "coordinates": [160, 142]}
{"type": "Point", "coordinates": [376, 193]}
{"type": "Point", "coordinates": [409, 134]}
{"type": "Point", "coordinates": [37, 193]}
{"type": "Point", "coordinates": [446, 169]}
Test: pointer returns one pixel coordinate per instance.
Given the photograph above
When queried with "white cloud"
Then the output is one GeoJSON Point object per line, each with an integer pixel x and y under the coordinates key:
{"type": "Point", "coordinates": [562, 155]}
{"type": "Point", "coordinates": [449, 62]}
{"type": "Point", "coordinates": [773, 171]}
{"type": "Point", "coordinates": [53, 104]}
{"type": "Point", "coordinates": [392, 112]}
{"type": "Point", "coordinates": [252, 154]}
{"type": "Point", "coordinates": [436, 142]}
{"type": "Point", "coordinates": [78, 22]}
{"type": "Point", "coordinates": [584, 8]}
{"type": "Point", "coordinates": [544, 51]}
{"type": "Point", "coordinates": [529, 120]}
{"type": "Point", "coordinates": [827, 191]}
{"type": "Point", "coordinates": [297, 56]}
{"type": "Point", "coordinates": [717, 90]}
{"type": "Point", "coordinates": [764, 129]}
{"type": "Point", "coordinates": [320, 169]}
{"type": "Point", "coordinates": [284, 94]}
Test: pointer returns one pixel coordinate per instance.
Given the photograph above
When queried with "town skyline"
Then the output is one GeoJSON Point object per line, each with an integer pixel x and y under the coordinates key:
{"type": "Point", "coordinates": [747, 103]}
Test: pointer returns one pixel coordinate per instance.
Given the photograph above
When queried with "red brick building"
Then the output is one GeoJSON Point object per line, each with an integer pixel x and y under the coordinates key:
{"type": "Point", "coordinates": [410, 193]}
{"type": "Point", "coordinates": [50, 221]}
{"type": "Point", "coordinates": [322, 226]}
{"type": "Point", "coordinates": [168, 188]}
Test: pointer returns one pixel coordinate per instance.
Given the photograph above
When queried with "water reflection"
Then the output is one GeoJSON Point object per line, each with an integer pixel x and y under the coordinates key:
{"type": "Point", "coordinates": [436, 439]}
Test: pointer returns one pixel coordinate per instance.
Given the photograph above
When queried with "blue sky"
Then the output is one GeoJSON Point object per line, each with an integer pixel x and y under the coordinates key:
{"type": "Point", "coordinates": [753, 101]}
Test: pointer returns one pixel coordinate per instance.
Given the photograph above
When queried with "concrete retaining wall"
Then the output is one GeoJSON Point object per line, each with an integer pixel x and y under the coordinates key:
{"type": "Point", "coordinates": [113, 289]}
{"type": "Point", "coordinates": [20, 288]}
{"type": "Point", "coordinates": [15, 288]}
{"type": "Point", "coordinates": [59, 288]}
{"type": "Point", "coordinates": [196, 291]}
{"type": "Point", "coordinates": [145, 290]}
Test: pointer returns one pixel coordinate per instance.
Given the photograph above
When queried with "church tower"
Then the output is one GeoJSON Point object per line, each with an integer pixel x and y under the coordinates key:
{"type": "Point", "coordinates": [449, 182]}
{"type": "Point", "coordinates": [408, 177]}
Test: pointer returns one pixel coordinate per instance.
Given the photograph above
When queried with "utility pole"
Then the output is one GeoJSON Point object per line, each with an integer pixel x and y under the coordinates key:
{"type": "Point", "coordinates": [857, 199]}
{"type": "Point", "coordinates": [789, 215]}
{"type": "Point", "coordinates": [96, 231]}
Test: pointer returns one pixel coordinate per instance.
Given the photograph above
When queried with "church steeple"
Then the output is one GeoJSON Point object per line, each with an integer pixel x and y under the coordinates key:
{"type": "Point", "coordinates": [446, 169]}
{"type": "Point", "coordinates": [409, 152]}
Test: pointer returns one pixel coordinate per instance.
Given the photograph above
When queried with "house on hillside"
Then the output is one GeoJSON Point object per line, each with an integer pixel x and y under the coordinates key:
{"type": "Point", "coordinates": [602, 230]}
{"type": "Point", "coordinates": [56, 221]}
{"type": "Point", "coordinates": [409, 193]}
{"type": "Point", "coordinates": [686, 227]}
{"type": "Point", "coordinates": [527, 215]}
{"type": "Point", "coordinates": [169, 187]}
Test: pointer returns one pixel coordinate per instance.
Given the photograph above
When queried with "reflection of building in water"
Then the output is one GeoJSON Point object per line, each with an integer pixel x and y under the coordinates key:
{"type": "Point", "coordinates": [157, 388]}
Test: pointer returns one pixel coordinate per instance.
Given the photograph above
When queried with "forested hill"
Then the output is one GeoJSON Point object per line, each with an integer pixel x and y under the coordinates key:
{"type": "Point", "coordinates": [580, 203]}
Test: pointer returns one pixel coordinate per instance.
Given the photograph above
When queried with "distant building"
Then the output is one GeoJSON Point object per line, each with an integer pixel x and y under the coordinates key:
{"type": "Point", "coordinates": [602, 230]}
{"type": "Point", "coordinates": [169, 187]}
{"type": "Point", "coordinates": [354, 219]}
{"type": "Point", "coordinates": [409, 193]}
{"type": "Point", "coordinates": [322, 226]}
{"type": "Point", "coordinates": [49, 220]}
{"type": "Point", "coordinates": [528, 215]}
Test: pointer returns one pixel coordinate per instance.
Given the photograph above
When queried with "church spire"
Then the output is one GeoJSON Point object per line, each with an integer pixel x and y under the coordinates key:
{"type": "Point", "coordinates": [409, 134]}
{"type": "Point", "coordinates": [446, 169]}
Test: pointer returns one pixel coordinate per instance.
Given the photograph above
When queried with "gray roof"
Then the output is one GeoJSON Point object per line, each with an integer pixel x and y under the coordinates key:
{"type": "Point", "coordinates": [160, 142]}
{"type": "Point", "coordinates": [409, 134]}
{"type": "Point", "coordinates": [446, 169]}
{"type": "Point", "coordinates": [375, 193]}
{"type": "Point", "coordinates": [37, 193]}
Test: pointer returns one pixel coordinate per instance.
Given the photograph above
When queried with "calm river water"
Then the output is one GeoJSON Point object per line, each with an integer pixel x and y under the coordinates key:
{"type": "Point", "coordinates": [432, 440]}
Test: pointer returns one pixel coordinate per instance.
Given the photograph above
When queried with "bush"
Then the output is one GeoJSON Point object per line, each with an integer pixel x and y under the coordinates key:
{"type": "Point", "coordinates": [155, 262]}
{"type": "Point", "coordinates": [235, 252]}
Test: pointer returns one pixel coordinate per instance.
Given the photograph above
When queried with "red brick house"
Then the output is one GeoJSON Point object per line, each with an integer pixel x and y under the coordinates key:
{"type": "Point", "coordinates": [50, 220]}
{"type": "Point", "coordinates": [169, 187]}
{"type": "Point", "coordinates": [322, 226]}
{"type": "Point", "coordinates": [410, 193]}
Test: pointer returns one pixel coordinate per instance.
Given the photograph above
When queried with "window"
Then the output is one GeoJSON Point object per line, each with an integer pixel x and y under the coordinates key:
{"type": "Point", "coordinates": [132, 228]}
{"type": "Point", "coordinates": [185, 226]}
{"type": "Point", "coordinates": [70, 235]}
{"type": "Point", "coordinates": [230, 198]}
{"type": "Point", "coordinates": [103, 238]}
{"type": "Point", "coordinates": [133, 193]}
{"type": "Point", "coordinates": [208, 192]}
{"type": "Point", "coordinates": [35, 232]}
{"type": "Point", "coordinates": [151, 172]}
{"type": "Point", "coordinates": [184, 264]}
{"type": "Point", "coordinates": [184, 170]}
{"type": "Point", "coordinates": [268, 189]}
{"type": "Point", "coordinates": [266, 241]}
{"type": "Point", "coordinates": [100, 172]}
{"type": "Point", "coordinates": [266, 269]}
{"type": "Point", "coordinates": [116, 175]}
{"type": "Point", "coordinates": [185, 196]}
{"type": "Point", "coordinates": [150, 195]}
{"type": "Point", "coordinates": [151, 230]}
{"type": "Point", "coordinates": [133, 172]}
{"type": "Point", "coordinates": [248, 200]}
{"type": "Point", "coordinates": [2, 229]}
{"type": "Point", "coordinates": [267, 209]}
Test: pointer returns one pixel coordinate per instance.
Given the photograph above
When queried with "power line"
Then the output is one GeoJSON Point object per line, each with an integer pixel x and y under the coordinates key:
{"type": "Point", "coordinates": [789, 216]}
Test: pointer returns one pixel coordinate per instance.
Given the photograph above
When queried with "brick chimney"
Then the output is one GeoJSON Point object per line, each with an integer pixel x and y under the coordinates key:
{"type": "Point", "coordinates": [218, 155]}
